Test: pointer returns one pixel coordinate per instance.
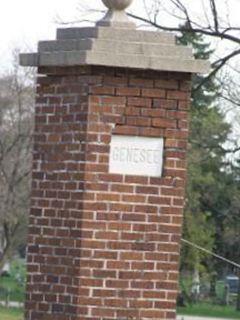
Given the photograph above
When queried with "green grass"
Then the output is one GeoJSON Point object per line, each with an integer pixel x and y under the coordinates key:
{"type": "Point", "coordinates": [11, 314]}
{"type": "Point", "coordinates": [209, 310]}
{"type": "Point", "coordinates": [9, 287]}
{"type": "Point", "coordinates": [203, 309]}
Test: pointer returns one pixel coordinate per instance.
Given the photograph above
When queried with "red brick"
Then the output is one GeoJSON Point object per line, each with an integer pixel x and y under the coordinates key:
{"type": "Point", "coordinates": [165, 305]}
{"type": "Point", "coordinates": [133, 198]}
{"type": "Point", "coordinates": [117, 284]}
{"type": "Point", "coordinates": [154, 295]}
{"type": "Point", "coordinates": [136, 179]}
{"type": "Point", "coordinates": [165, 104]}
{"type": "Point", "coordinates": [154, 93]}
{"type": "Point", "coordinates": [176, 134]}
{"type": "Point", "coordinates": [105, 245]}
{"type": "Point", "coordinates": [131, 256]}
{"type": "Point", "coordinates": [179, 95]}
{"type": "Point", "coordinates": [184, 105]}
{"type": "Point", "coordinates": [117, 303]}
{"type": "Point", "coordinates": [128, 91]}
{"type": "Point", "coordinates": [108, 197]}
{"type": "Point", "coordinates": [165, 285]}
{"type": "Point", "coordinates": [139, 102]}
{"type": "Point", "coordinates": [113, 100]}
{"type": "Point", "coordinates": [151, 132]}
{"type": "Point", "coordinates": [183, 124]}
{"type": "Point", "coordinates": [118, 265]}
{"type": "Point", "coordinates": [126, 130]}
{"type": "Point", "coordinates": [122, 188]}
{"type": "Point", "coordinates": [147, 190]}
{"type": "Point", "coordinates": [164, 123]}
{"type": "Point", "coordinates": [159, 200]}
{"type": "Point", "coordinates": [132, 111]}
{"type": "Point", "coordinates": [154, 113]}
{"type": "Point", "coordinates": [185, 85]}
{"type": "Point", "coordinates": [101, 312]}
{"type": "Point", "coordinates": [177, 114]}
{"type": "Point", "coordinates": [153, 314]}
{"type": "Point", "coordinates": [104, 293]}
{"type": "Point", "coordinates": [102, 90]}
{"type": "Point", "coordinates": [146, 83]}
{"type": "Point", "coordinates": [119, 226]}
{"type": "Point", "coordinates": [105, 255]}
{"type": "Point", "coordinates": [138, 121]}
{"type": "Point", "coordinates": [111, 177]}
{"type": "Point", "coordinates": [106, 235]}
{"type": "Point", "coordinates": [115, 81]}
{"type": "Point", "coordinates": [145, 208]}
{"type": "Point", "coordinates": [121, 207]}
{"type": "Point", "coordinates": [166, 84]}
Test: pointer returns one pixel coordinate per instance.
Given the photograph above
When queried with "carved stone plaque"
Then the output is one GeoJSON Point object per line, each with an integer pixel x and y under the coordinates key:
{"type": "Point", "coordinates": [140, 156]}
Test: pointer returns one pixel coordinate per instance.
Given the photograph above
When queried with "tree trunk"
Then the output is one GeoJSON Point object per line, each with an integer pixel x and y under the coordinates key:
{"type": "Point", "coordinates": [213, 285]}
{"type": "Point", "coordinates": [226, 295]}
{"type": "Point", "coordinates": [195, 285]}
{"type": "Point", "coordinates": [4, 256]}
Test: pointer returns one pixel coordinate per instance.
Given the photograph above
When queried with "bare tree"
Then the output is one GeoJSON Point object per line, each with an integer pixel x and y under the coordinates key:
{"type": "Point", "coordinates": [216, 19]}
{"type": "Point", "coordinates": [212, 18]}
{"type": "Point", "coordinates": [16, 109]}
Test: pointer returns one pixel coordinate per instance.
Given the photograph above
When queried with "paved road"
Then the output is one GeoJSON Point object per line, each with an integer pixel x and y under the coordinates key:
{"type": "Point", "coordinates": [198, 318]}
{"type": "Point", "coordinates": [12, 304]}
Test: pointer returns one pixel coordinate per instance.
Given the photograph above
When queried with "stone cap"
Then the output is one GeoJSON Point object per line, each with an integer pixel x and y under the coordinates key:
{"type": "Point", "coordinates": [115, 42]}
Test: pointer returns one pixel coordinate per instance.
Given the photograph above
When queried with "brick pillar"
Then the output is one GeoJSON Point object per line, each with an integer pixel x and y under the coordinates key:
{"type": "Point", "coordinates": [101, 245]}
{"type": "Point", "coordinates": [104, 242]}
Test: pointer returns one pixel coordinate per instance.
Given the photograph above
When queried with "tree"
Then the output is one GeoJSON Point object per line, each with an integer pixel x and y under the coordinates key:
{"type": "Point", "coordinates": [209, 131]}
{"type": "Point", "coordinates": [212, 19]}
{"type": "Point", "coordinates": [16, 109]}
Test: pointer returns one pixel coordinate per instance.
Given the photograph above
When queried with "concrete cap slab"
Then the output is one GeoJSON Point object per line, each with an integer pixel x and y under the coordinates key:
{"type": "Point", "coordinates": [115, 34]}
{"type": "Point", "coordinates": [125, 47]}
{"type": "Point", "coordinates": [137, 61]}
{"type": "Point", "coordinates": [115, 46]}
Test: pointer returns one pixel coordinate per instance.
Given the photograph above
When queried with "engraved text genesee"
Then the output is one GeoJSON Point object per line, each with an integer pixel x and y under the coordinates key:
{"type": "Point", "coordinates": [135, 155]}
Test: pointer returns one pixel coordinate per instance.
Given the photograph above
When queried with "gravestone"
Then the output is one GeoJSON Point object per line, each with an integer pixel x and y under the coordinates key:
{"type": "Point", "coordinates": [109, 171]}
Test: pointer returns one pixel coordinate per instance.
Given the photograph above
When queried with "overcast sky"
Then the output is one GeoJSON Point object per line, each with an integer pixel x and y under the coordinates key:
{"type": "Point", "coordinates": [24, 22]}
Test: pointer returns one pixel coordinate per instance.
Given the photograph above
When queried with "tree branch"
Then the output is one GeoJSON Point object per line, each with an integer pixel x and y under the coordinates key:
{"type": "Point", "coordinates": [205, 31]}
{"type": "Point", "coordinates": [217, 65]}
{"type": "Point", "coordinates": [215, 15]}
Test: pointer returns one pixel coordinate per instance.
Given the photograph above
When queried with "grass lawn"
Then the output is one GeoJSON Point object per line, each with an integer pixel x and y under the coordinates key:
{"type": "Point", "coordinates": [11, 314]}
{"type": "Point", "coordinates": [8, 286]}
{"type": "Point", "coordinates": [209, 310]}
{"type": "Point", "coordinates": [194, 310]}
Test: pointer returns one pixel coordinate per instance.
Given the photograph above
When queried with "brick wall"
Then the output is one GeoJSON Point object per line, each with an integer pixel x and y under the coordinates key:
{"type": "Point", "coordinates": [105, 246]}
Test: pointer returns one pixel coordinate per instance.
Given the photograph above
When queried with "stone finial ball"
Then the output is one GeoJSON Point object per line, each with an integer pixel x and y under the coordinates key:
{"type": "Point", "coordinates": [117, 4]}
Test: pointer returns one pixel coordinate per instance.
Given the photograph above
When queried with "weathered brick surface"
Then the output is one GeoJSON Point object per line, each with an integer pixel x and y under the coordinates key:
{"type": "Point", "coordinates": [105, 246]}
